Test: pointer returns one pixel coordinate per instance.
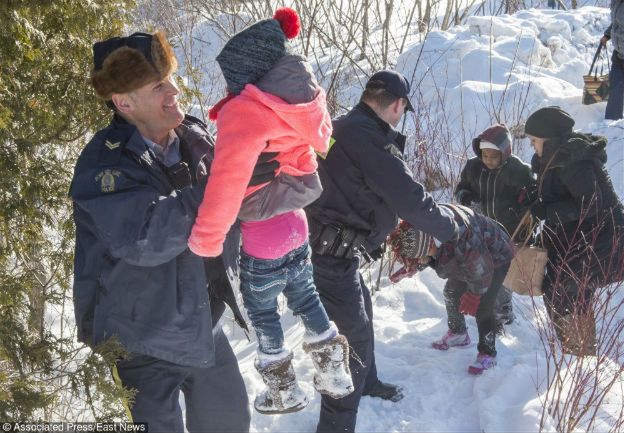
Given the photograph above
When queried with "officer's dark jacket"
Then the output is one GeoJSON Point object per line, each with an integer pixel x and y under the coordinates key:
{"type": "Point", "coordinates": [497, 190]}
{"type": "Point", "coordinates": [134, 277]}
{"type": "Point", "coordinates": [367, 186]}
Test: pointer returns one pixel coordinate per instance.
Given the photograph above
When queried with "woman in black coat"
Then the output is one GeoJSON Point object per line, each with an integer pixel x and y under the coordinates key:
{"type": "Point", "coordinates": [583, 223]}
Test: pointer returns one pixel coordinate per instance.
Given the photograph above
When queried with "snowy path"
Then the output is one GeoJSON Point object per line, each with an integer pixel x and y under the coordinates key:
{"type": "Point", "coordinates": [439, 393]}
{"type": "Point", "coordinates": [440, 396]}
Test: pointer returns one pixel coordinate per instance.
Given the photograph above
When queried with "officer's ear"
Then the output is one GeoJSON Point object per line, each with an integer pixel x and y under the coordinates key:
{"type": "Point", "coordinates": [122, 102]}
{"type": "Point", "coordinates": [398, 106]}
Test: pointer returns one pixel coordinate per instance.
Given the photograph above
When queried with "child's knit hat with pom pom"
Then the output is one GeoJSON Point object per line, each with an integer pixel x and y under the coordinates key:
{"type": "Point", "coordinates": [251, 53]}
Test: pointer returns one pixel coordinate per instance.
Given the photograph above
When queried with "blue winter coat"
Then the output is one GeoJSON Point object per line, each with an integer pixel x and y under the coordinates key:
{"type": "Point", "coordinates": [134, 277]}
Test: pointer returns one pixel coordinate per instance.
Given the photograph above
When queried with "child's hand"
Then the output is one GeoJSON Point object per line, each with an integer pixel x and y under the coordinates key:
{"type": "Point", "coordinates": [527, 196]}
{"type": "Point", "coordinates": [469, 303]}
{"type": "Point", "coordinates": [464, 197]}
{"type": "Point", "coordinates": [410, 270]}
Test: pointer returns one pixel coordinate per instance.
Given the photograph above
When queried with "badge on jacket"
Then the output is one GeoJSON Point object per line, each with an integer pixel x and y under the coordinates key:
{"type": "Point", "coordinates": [107, 179]}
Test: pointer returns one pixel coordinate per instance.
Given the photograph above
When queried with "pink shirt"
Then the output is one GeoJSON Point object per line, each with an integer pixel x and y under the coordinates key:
{"type": "Point", "coordinates": [275, 237]}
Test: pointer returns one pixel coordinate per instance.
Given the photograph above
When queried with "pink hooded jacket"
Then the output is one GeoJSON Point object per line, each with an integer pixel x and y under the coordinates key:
{"type": "Point", "coordinates": [251, 123]}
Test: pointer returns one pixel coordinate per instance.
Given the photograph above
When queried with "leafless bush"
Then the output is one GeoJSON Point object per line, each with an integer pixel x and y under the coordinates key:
{"type": "Point", "coordinates": [337, 36]}
{"type": "Point", "coordinates": [583, 391]}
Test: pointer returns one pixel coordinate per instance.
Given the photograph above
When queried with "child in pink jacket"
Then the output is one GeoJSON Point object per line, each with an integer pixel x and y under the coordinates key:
{"type": "Point", "coordinates": [273, 105]}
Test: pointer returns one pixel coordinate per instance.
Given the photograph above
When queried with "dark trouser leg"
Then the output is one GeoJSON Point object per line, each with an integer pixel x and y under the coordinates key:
{"type": "Point", "coordinates": [157, 384]}
{"type": "Point", "coordinates": [371, 378]}
{"type": "Point", "coordinates": [486, 318]}
{"type": "Point", "coordinates": [341, 292]}
{"type": "Point", "coordinates": [615, 102]}
{"type": "Point", "coordinates": [216, 398]}
{"type": "Point", "coordinates": [453, 289]}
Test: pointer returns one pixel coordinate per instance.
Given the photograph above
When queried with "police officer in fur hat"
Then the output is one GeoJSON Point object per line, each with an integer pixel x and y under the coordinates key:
{"type": "Point", "coordinates": [136, 189]}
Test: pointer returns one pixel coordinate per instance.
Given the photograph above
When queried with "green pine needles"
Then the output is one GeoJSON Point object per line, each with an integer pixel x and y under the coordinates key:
{"type": "Point", "coordinates": [47, 112]}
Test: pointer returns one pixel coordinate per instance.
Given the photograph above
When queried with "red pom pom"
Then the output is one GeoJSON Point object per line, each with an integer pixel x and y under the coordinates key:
{"type": "Point", "coordinates": [289, 21]}
{"type": "Point", "coordinates": [214, 110]}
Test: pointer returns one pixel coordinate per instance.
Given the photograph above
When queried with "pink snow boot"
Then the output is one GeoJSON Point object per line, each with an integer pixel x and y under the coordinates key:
{"type": "Point", "coordinates": [450, 339]}
{"type": "Point", "coordinates": [482, 363]}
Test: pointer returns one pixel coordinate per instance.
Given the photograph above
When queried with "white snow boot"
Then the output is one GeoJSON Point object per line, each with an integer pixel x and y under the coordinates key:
{"type": "Point", "coordinates": [283, 394]}
{"type": "Point", "coordinates": [331, 360]}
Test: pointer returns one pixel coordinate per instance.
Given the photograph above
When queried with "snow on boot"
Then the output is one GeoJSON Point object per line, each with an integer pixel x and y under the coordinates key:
{"type": "Point", "coordinates": [386, 391]}
{"type": "Point", "coordinates": [451, 339]}
{"type": "Point", "coordinates": [505, 315]}
{"type": "Point", "coordinates": [482, 363]}
{"type": "Point", "coordinates": [283, 394]}
{"type": "Point", "coordinates": [331, 360]}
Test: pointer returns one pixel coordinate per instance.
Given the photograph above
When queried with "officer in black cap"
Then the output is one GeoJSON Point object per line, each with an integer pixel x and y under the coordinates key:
{"type": "Point", "coordinates": [366, 188]}
{"type": "Point", "coordinates": [136, 189]}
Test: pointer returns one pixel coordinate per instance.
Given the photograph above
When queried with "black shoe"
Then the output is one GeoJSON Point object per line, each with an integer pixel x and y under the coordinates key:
{"type": "Point", "coordinates": [386, 391]}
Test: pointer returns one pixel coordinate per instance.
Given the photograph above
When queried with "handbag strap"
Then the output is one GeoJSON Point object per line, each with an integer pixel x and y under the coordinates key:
{"type": "Point", "coordinates": [591, 68]}
{"type": "Point", "coordinates": [526, 218]}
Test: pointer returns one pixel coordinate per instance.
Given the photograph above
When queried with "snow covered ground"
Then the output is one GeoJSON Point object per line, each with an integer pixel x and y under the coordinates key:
{"type": "Point", "coordinates": [511, 65]}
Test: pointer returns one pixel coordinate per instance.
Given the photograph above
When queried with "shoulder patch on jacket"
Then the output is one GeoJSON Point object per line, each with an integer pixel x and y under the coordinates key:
{"type": "Point", "coordinates": [106, 178]}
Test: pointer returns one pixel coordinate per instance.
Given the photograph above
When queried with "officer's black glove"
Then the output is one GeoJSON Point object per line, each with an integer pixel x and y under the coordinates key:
{"type": "Point", "coordinates": [377, 252]}
{"type": "Point", "coordinates": [264, 171]}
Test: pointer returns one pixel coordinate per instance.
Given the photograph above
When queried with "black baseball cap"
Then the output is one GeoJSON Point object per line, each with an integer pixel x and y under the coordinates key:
{"type": "Point", "coordinates": [392, 82]}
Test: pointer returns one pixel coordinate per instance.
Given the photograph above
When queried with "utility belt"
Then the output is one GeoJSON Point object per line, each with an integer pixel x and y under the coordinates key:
{"type": "Point", "coordinates": [335, 240]}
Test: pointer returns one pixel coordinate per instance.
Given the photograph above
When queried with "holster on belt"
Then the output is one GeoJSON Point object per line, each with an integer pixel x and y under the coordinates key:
{"type": "Point", "coordinates": [335, 240]}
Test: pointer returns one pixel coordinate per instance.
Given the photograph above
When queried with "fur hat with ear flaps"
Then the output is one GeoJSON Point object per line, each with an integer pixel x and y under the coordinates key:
{"type": "Point", "coordinates": [122, 65]}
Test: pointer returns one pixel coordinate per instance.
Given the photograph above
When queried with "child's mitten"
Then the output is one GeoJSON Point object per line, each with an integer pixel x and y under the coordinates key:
{"type": "Point", "coordinates": [468, 303]}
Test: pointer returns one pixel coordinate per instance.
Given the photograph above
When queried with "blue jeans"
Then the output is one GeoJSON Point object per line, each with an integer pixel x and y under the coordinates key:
{"type": "Point", "coordinates": [615, 103]}
{"type": "Point", "coordinates": [262, 280]}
